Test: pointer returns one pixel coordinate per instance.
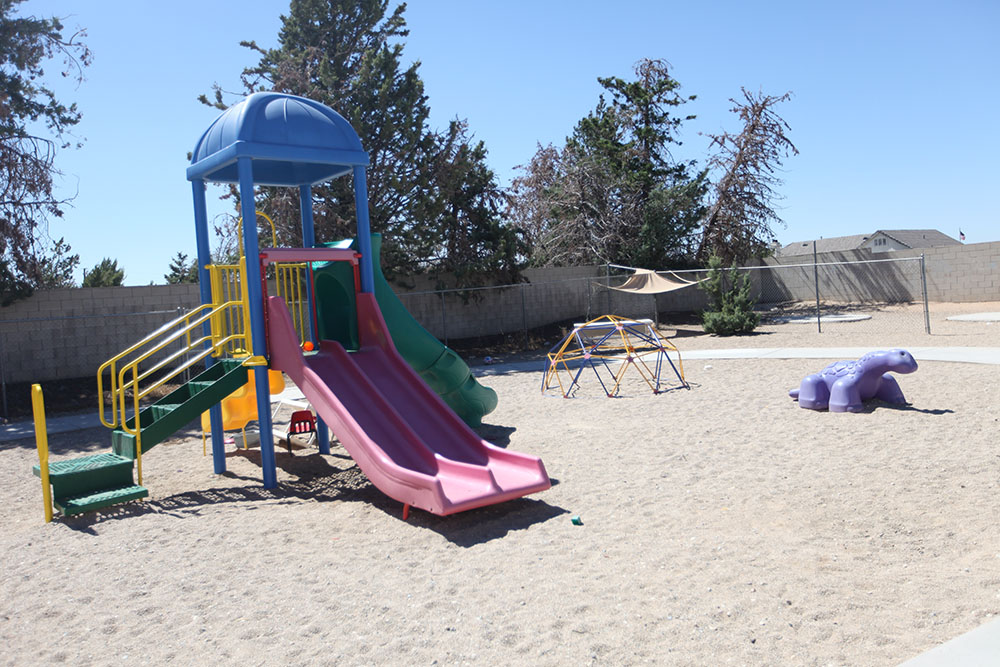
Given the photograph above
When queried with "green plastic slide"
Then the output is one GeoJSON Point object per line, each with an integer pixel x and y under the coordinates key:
{"type": "Point", "coordinates": [440, 367]}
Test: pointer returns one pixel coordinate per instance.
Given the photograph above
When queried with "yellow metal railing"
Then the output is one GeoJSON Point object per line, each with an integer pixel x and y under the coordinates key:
{"type": "Point", "coordinates": [228, 317]}
{"type": "Point", "coordinates": [228, 282]}
{"type": "Point", "coordinates": [42, 442]}
{"type": "Point", "coordinates": [288, 278]}
{"type": "Point", "coordinates": [186, 334]}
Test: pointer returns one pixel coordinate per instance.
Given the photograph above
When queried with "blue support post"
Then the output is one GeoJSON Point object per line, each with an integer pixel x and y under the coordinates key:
{"type": "Point", "coordinates": [364, 230]}
{"type": "Point", "coordinates": [256, 298]}
{"type": "Point", "coordinates": [205, 290]}
{"type": "Point", "coordinates": [308, 241]}
{"type": "Point", "coordinates": [322, 436]}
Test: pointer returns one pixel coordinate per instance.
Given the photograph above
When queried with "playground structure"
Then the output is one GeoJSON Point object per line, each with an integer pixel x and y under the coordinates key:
{"type": "Point", "coordinates": [609, 346]}
{"type": "Point", "coordinates": [844, 386]}
{"type": "Point", "coordinates": [398, 430]}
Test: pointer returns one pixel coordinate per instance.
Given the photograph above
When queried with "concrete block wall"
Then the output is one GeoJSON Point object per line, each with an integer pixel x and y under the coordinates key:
{"type": "Point", "coordinates": [65, 333]}
{"type": "Point", "coordinates": [550, 295]}
{"type": "Point", "coordinates": [877, 282]}
{"type": "Point", "coordinates": [965, 273]}
{"type": "Point", "coordinates": [70, 332]}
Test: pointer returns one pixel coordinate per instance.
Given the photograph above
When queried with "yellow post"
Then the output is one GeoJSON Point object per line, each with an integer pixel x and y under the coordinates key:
{"type": "Point", "coordinates": [245, 306]}
{"type": "Point", "coordinates": [42, 442]}
{"type": "Point", "coordinates": [138, 429]}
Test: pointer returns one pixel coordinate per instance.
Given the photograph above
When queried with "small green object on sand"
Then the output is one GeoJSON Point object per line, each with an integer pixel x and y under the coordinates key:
{"type": "Point", "coordinates": [577, 521]}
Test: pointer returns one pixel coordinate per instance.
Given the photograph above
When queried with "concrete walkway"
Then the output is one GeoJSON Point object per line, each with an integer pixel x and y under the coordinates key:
{"type": "Point", "coordinates": [292, 396]}
{"type": "Point", "coordinates": [979, 647]}
{"type": "Point", "coordinates": [972, 355]}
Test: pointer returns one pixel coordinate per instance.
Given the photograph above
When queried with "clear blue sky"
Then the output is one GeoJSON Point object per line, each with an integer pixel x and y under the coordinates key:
{"type": "Point", "coordinates": [894, 111]}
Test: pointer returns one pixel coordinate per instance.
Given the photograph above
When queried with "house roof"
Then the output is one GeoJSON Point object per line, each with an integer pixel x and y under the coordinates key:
{"type": "Point", "coordinates": [835, 244]}
{"type": "Point", "coordinates": [911, 238]}
{"type": "Point", "coordinates": [920, 238]}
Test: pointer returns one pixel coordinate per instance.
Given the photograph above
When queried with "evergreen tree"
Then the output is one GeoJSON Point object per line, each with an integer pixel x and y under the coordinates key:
{"type": "Point", "coordinates": [27, 158]}
{"type": "Point", "coordinates": [463, 199]}
{"type": "Point", "coordinates": [730, 308]}
{"type": "Point", "coordinates": [615, 193]}
{"type": "Point", "coordinates": [56, 267]}
{"type": "Point", "coordinates": [348, 55]}
{"type": "Point", "coordinates": [182, 271]}
{"type": "Point", "coordinates": [104, 274]}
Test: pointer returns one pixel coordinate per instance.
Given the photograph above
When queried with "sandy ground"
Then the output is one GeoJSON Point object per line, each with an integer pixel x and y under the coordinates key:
{"type": "Point", "coordinates": [720, 525]}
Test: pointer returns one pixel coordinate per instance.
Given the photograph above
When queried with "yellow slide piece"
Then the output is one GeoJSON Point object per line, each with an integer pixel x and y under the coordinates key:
{"type": "Point", "coordinates": [240, 407]}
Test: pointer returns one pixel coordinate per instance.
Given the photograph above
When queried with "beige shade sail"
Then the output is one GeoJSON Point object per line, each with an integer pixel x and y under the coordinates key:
{"type": "Point", "coordinates": [645, 281]}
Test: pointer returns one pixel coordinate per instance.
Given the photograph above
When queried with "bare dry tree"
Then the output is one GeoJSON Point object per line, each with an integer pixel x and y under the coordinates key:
{"type": "Point", "coordinates": [738, 223]}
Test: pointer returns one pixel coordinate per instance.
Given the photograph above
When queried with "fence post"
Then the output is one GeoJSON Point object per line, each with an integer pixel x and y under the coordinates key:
{"type": "Point", "coordinates": [524, 319]}
{"type": "Point", "coordinates": [819, 322]}
{"type": "Point", "coordinates": [444, 320]}
{"type": "Point", "coordinates": [923, 285]}
{"type": "Point", "coordinates": [3, 376]}
{"type": "Point", "coordinates": [590, 297]}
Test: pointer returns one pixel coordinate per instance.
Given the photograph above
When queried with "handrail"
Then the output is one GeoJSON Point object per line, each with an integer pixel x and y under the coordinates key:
{"type": "Point", "coordinates": [110, 364]}
{"type": "Point", "coordinates": [42, 443]}
{"type": "Point", "coordinates": [205, 345]}
{"type": "Point", "coordinates": [239, 232]}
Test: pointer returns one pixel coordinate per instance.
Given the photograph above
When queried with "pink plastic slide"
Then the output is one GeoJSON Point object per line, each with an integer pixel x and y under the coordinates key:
{"type": "Point", "coordinates": [400, 433]}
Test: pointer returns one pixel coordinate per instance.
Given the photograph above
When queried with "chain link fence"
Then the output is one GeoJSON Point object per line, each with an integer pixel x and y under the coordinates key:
{"type": "Point", "coordinates": [863, 293]}
{"type": "Point", "coordinates": [874, 296]}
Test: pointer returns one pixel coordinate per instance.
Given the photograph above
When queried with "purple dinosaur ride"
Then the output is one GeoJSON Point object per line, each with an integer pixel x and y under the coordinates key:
{"type": "Point", "coordinates": [843, 386]}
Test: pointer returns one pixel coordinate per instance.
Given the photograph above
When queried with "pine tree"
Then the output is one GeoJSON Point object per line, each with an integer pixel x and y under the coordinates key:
{"type": "Point", "coordinates": [738, 223]}
{"type": "Point", "coordinates": [105, 274]}
{"type": "Point", "coordinates": [346, 54]}
{"type": "Point", "coordinates": [56, 267]}
{"type": "Point", "coordinates": [27, 156]}
{"type": "Point", "coordinates": [182, 271]}
{"type": "Point", "coordinates": [614, 192]}
{"type": "Point", "coordinates": [730, 308]}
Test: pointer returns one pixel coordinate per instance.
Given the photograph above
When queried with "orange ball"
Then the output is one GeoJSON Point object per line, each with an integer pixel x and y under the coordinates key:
{"type": "Point", "coordinates": [308, 346]}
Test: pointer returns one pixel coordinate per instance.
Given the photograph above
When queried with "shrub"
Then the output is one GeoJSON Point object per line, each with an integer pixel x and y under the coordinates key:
{"type": "Point", "coordinates": [730, 305]}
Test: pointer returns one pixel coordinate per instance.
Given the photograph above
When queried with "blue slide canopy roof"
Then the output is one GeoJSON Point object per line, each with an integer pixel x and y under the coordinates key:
{"type": "Point", "coordinates": [291, 141]}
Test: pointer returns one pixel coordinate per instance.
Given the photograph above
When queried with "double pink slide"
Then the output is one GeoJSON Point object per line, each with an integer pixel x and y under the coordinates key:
{"type": "Point", "coordinates": [400, 433]}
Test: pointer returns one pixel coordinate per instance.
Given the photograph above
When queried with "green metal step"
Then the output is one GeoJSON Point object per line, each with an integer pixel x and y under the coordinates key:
{"type": "Point", "coordinates": [181, 406]}
{"type": "Point", "coordinates": [105, 498]}
{"type": "Point", "coordinates": [159, 411]}
{"type": "Point", "coordinates": [88, 474]}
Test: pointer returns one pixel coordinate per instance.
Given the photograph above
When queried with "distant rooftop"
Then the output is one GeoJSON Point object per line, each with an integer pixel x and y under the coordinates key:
{"type": "Point", "coordinates": [908, 238]}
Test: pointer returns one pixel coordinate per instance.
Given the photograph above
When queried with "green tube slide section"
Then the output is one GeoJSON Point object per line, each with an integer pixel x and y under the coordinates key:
{"type": "Point", "coordinates": [439, 366]}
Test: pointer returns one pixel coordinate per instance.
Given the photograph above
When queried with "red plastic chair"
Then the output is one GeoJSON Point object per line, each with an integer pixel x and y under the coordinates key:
{"type": "Point", "coordinates": [302, 421]}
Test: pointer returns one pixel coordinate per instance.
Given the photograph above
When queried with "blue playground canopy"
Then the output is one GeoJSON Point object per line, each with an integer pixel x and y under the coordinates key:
{"type": "Point", "coordinates": [291, 140]}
